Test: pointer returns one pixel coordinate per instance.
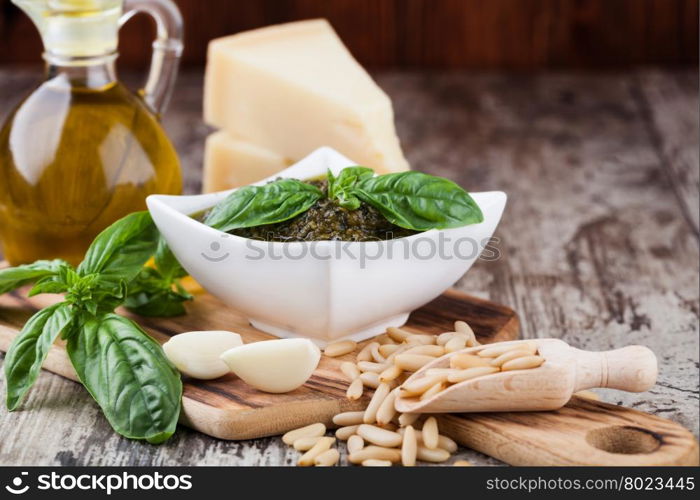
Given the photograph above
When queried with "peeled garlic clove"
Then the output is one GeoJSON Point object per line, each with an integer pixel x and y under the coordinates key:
{"type": "Point", "coordinates": [196, 354]}
{"type": "Point", "coordinates": [274, 365]}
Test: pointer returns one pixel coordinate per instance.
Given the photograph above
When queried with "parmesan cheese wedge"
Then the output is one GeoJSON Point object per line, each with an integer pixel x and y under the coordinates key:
{"type": "Point", "coordinates": [295, 87]}
{"type": "Point", "coordinates": [232, 162]}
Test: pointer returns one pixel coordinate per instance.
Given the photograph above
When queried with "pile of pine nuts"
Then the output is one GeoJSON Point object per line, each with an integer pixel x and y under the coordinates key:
{"type": "Point", "coordinates": [378, 435]}
{"type": "Point", "coordinates": [467, 366]}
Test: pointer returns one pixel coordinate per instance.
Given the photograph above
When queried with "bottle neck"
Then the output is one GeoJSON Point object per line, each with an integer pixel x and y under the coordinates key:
{"type": "Point", "coordinates": [88, 72]}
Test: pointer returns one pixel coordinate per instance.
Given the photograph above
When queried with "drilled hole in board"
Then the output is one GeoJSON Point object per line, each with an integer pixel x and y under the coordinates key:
{"type": "Point", "coordinates": [625, 440]}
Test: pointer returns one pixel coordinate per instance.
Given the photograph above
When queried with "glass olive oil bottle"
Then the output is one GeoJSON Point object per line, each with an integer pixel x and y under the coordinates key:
{"type": "Point", "coordinates": [82, 150]}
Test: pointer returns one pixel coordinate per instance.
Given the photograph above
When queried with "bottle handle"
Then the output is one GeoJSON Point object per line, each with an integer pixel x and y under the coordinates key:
{"type": "Point", "coordinates": [167, 48]}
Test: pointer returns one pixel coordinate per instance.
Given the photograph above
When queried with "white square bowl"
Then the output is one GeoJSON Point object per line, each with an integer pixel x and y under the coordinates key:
{"type": "Point", "coordinates": [322, 290]}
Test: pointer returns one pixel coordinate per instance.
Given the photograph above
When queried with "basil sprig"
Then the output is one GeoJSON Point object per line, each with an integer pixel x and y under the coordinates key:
{"type": "Point", "coordinates": [411, 200]}
{"type": "Point", "coordinates": [267, 204]}
{"type": "Point", "coordinates": [340, 188]}
{"type": "Point", "coordinates": [124, 370]}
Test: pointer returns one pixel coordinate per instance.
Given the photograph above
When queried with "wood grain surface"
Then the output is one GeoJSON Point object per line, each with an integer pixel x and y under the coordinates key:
{"type": "Point", "coordinates": [582, 433]}
{"type": "Point", "coordinates": [522, 34]}
{"type": "Point", "coordinates": [228, 408]}
{"type": "Point", "coordinates": [598, 245]}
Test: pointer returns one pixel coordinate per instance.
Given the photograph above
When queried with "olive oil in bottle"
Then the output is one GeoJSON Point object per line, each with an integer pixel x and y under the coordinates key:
{"type": "Point", "coordinates": [81, 151]}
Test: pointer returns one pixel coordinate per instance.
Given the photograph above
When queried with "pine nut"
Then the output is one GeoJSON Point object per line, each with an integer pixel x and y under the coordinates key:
{"type": "Point", "coordinates": [391, 426]}
{"type": "Point", "coordinates": [465, 329]}
{"type": "Point", "coordinates": [421, 339]}
{"type": "Point", "coordinates": [447, 443]}
{"type": "Point", "coordinates": [370, 379]}
{"type": "Point", "coordinates": [365, 353]}
{"type": "Point", "coordinates": [464, 360]}
{"type": "Point", "coordinates": [328, 458]}
{"type": "Point", "coordinates": [462, 463]}
{"type": "Point", "coordinates": [507, 356]}
{"type": "Point", "coordinates": [444, 442]}
{"type": "Point", "coordinates": [355, 443]}
{"type": "Point", "coordinates": [380, 393]}
{"type": "Point", "coordinates": [497, 350]}
{"type": "Point", "coordinates": [343, 433]}
{"type": "Point", "coordinates": [444, 337]}
{"type": "Point", "coordinates": [470, 373]}
{"type": "Point", "coordinates": [323, 444]}
{"type": "Point", "coordinates": [444, 372]}
{"type": "Point", "coordinates": [437, 455]}
{"type": "Point", "coordinates": [340, 348]}
{"type": "Point", "coordinates": [456, 343]}
{"type": "Point", "coordinates": [350, 370]}
{"type": "Point", "coordinates": [354, 391]}
{"type": "Point", "coordinates": [406, 419]}
{"type": "Point", "coordinates": [419, 386]}
{"type": "Point", "coordinates": [390, 373]}
{"type": "Point", "coordinates": [306, 443]}
{"type": "Point", "coordinates": [412, 362]}
{"type": "Point", "coordinates": [440, 386]}
{"type": "Point", "coordinates": [523, 363]}
{"type": "Point", "coordinates": [371, 366]}
{"type": "Point", "coordinates": [379, 436]}
{"type": "Point", "coordinates": [376, 355]}
{"type": "Point", "coordinates": [387, 349]}
{"type": "Point", "coordinates": [398, 334]}
{"type": "Point", "coordinates": [371, 462]}
{"type": "Point", "coordinates": [409, 447]}
{"type": "Point", "coordinates": [401, 349]}
{"type": "Point", "coordinates": [386, 410]}
{"type": "Point", "coordinates": [430, 433]}
{"type": "Point", "coordinates": [427, 350]}
{"type": "Point", "coordinates": [376, 453]}
{"type": "Point", "coordinates": [312, 430]}
{"type": "Point", "coordinates": [384, 339]}
{"type": "Point", "coordinates": [348, 418]}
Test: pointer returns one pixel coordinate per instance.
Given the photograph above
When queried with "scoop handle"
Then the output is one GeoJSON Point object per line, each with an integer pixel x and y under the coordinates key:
{"type": "Point", "coordinates": [632, 368]}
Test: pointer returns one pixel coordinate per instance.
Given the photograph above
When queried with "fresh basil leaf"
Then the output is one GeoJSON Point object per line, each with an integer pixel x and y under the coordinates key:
{"type": "Point", "coordinates": [126, 372]}
{"type": "Point", "coordinates": [268, 204]}
{"type": "Point", "coordinates": [418, 201]}
{"type": "Point", "coordinates": [340, 187]}
{"type": "Point", "coordinates": [48, 284]}
{"type": "Point", "coordinates": [119, 252]}
{"type": "Point", "coordinates": [12, 278]}
{"type": "Point", "coordinates": [166, 263]}
{"type": "Point", "coordinates": [150, 294]}
{"type": "Point", "coordinates": [29, 349]}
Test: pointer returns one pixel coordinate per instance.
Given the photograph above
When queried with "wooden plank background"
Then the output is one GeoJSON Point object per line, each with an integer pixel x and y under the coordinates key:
{"type": "Point", "coordinates": [598, 244]}
{"type": "Point", "coordinates": [436, 34]}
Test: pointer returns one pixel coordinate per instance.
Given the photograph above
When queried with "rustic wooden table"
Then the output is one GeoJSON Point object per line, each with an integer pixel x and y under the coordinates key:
{"type": "Point", "coordinates": [599, 242]}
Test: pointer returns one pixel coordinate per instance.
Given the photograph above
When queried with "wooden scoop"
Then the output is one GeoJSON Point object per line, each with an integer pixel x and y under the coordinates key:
{"type": "Point", "coordinates": [566, 370]}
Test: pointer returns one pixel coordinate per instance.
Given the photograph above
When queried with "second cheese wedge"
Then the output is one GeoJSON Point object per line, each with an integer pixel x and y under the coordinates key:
{"type": "Point", "coordinates": [230, 162]}
{"type": "Point", "coordinates": [295, 87]}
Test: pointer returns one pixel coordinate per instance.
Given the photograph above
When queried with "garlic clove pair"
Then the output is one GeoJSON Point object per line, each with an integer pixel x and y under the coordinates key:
{"type": "Point", "coordinates": [272, 365]}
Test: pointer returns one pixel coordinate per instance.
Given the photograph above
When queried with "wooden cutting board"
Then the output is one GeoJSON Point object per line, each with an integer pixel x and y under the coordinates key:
{"type": "Point", "coordinates": [582, 433]}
